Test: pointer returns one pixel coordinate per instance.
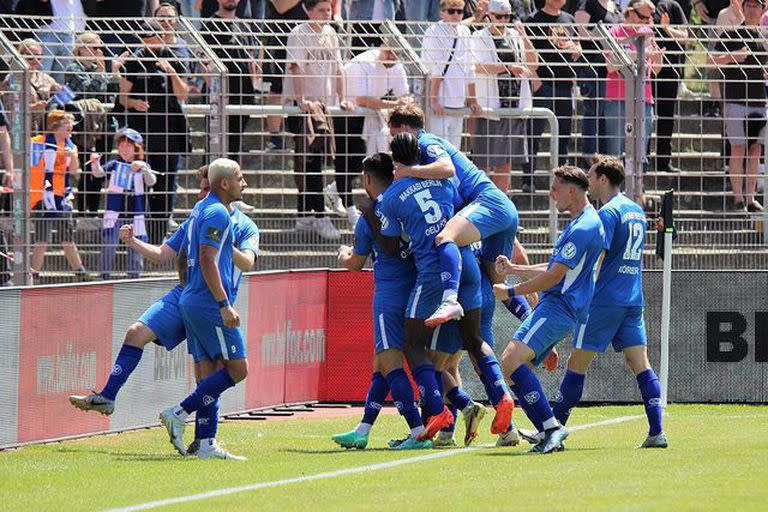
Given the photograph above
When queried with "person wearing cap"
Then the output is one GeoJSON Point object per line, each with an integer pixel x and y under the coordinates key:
{"type": "Point", "coordinates": [741, 58]}
{"type": "Point", "coordinates": [53, 167]}
{"type": "Point", "coordinates": [129, 180]}
{"type": "Point", "coordinates": [152, 89]}
{"type": "Point", "coordinates": [504, 61]}
{"type": "Point", "coordinates": [376, 80]}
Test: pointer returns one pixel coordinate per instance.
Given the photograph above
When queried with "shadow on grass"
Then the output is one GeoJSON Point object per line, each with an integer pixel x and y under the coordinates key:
{"type": "Point", "coordinates": [496, 453]}
{"type": "Point", "coordinates": [126, 456]}
{"type": "Point", "coordinates": [332, 451]}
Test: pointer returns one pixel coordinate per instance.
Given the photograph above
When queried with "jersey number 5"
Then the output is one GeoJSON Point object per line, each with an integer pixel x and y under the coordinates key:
{"type": "Point", "coordinates": [429, 206]}
{"type": "Point", "coordinates": [634, 249]}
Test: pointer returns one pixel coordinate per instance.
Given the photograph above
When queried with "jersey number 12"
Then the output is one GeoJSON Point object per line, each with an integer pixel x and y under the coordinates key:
{"type": "Point", "coordinates": [634, 249]}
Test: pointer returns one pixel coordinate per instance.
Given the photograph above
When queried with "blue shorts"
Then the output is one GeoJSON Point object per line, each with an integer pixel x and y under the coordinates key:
{"type": "Point", "coordinates": [447, 338]}
{"type": "Point", "coordinates": [547, 326]}
{"type": "Point", "coordinates": [427, 293]}
{"type": "Point", "coordinates": [208, 338]}
{"type": "Point", "coordinates": [165, 320]}
{"type": "Point", "coordinates": [388, 317]}
{"type": "Point", "coordinates": [495, 216]}
{"type": "Point", "coordinates": [621, 327]}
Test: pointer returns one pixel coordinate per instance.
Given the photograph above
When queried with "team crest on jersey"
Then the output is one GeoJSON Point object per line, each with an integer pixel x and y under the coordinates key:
{"type": "Point", "coordinates": [213, 234]}
{"type": "Point", "coordinates": [569, 251]}
{"type": "Point", "coordinates": [434, 150]}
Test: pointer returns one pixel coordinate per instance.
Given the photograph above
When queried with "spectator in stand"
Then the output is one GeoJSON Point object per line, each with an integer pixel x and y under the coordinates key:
{"type": "Point", "coordinates": [166, 18]}
{"type": "Point", "coordinates": [43, 84]}
{"type": "Point", "coordinates": [418, 13]}
{"type": "Point", "coordinates": [5, 149]}
{"type": "Point", "coordinates": [314, 78]}
{"type": "Point", "coordinates": [53, 169]}
{"type": "Point", "coordinates": [87, 75]}
{"type": "Point", "coordinates": [375, 80]}
{"type": "Point", "coordinates": [152, 89]}
{"type": "Point", "coordinates": [559, 52]}
{"type": "Point", "coordinates": [447, 54]}
{"type": "Point", "coordinates": [504, 61]}
{"type": "Point", "coordinates": [58, 36]}
{"type": "Point", "coordinates": [207, 8]}
{"type": "Point", "coordinates": [118, 32]}
{"type": "Point", "coordinates": [741, 58]}
{"type": "Point", "coordinates": [283, 16]}
{"type": "Point", "coordinates": [129, 180]}
{"type": "Point", "coordinates": [592, 76]}
{"type": "Point", "coordinates": [242, 53]}
{"type": "Point", "coordinates": [709, 10]}
{"type": "Point", "coordinates": [361, 13]}
{"type": "Point", "coordinates": [671, 36]}
{"type": "Point", "coordinates": [638, 15]}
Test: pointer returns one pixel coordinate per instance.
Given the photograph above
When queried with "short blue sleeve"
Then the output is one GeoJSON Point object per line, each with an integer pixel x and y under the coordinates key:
{"type": "Point", "coordinates": [573, 248]}
{"type": "Point", "coordinates": [363, 238]}
{"type": "Point", "coordinates": [430, 152]}
{"type": "Point", "coordinates": [177, 239]}
{"type": "Point", "coordinates": [389, 224]}
{"type": "Point", "coordinates": [247, 239]}
{"type": "Point", "coordinates": [609, 218]}
{"type": "Point", "coordinates": [214, 225]}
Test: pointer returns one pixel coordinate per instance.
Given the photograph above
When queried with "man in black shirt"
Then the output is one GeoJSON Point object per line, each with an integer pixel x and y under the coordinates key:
{"type": "Point", "coordinates": [671, 39]}
{"type": "Point", "coordinates": [559, 52]}
{"type": "Point", "coordinates": [741, 59]}
{"type": "Point", "coordinates": [235, 46]}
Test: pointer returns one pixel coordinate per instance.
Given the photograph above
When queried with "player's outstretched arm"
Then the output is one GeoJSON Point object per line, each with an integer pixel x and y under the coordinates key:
{"type": "Point", "coordinates": [153, 253]}
{"type": "Point", "coordinates": [441, 169]}
{"type": "Point", "coordinates": [540, 283]}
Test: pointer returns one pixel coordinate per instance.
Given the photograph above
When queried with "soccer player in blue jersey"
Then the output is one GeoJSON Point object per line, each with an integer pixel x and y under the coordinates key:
{"type": "Point", "coordinates": [485, 212]}
{"type": "Point", "coordinates": [567, 282]}
{"type": "Point", "coordinates": [211, 321]}
{"type": "Point", "coordinates": [616, 312]}
{"type": "Point", "coordinates": [420, 209]}
{"type": "Point", "coordinates": [394, 277]}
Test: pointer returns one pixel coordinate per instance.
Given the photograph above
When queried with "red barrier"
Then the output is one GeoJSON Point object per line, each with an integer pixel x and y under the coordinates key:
{"type": "Point", "coordinates": [60, 354]}
{"type": "Point", "coordinates": [349, 347]}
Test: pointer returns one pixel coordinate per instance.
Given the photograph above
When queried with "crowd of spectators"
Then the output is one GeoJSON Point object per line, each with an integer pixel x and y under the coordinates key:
{"type": "Point", "coordinates": [480, 54]}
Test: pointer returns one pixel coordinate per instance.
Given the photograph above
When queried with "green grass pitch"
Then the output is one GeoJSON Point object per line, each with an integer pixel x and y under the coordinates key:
{"type": "Point", "coordinates": [717, 460]}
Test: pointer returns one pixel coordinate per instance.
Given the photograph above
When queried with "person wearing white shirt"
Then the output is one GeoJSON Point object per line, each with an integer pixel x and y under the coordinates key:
{"type": "Point", "coordinates": [504, 61]}
{"type": "Point", "coordinates": [446, 53]}
{"type": "Point", "coordinates": [58, 37]}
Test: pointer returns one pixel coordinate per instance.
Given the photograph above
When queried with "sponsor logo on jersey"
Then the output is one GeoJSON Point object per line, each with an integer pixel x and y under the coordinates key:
{"type": "Point", "coordinates": [213, 234]}
{"type": "Point", "coordinates": [569, 251]}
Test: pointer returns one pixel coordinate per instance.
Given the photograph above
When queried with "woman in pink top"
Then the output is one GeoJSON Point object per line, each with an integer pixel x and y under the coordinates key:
{"type": "Point", "coordinates": [637, 14]}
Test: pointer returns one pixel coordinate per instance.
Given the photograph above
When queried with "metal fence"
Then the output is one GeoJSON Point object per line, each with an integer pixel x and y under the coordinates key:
{"type": "Point", "coordinates": [198, 89]}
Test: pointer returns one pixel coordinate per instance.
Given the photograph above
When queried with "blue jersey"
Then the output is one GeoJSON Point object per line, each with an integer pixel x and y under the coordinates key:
{"type": "Point", "coordinates": [177, 239]}
{"type": "Point", "coordinates": [390, 273]}
{"type": "Point", "coordinates": [471, 180]}
{"type": "Point", "coordinates": [420, 209]}
{"type": "Point", "coordinates": [578, 247]}
{"type": "Point", "coordinates": [245, 238]}
{"type": "Point", "coordinates": [209, 224]}
{"type": "Point", "coordinates": [620, 281]}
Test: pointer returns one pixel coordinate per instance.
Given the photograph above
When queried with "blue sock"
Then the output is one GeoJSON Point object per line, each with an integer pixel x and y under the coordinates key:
{"type": "Point", "coordinates": [569, 395]}
{"type": "Point", "coordinates": [518, 306]}
{"type": "Point", "coordinates": [127, 360]}
{"type": "Point", "coordinates": [402, 395]}
{"type": "Point", "coordinates": [424, 376]}
{"type": "Point", "coordinates": [497, 388]}
{"type": "Point", "coordinates": [207, 421]}
{"type": "Point", "coordinates": [533, 393]}
{"type": "Point", "coordinates": [450, 267]}
{"type": "Point", "coordinates": [459, 398]}
{"type": "Point", "coordinates": [208, 390]}
{"type": "Point", "coordinates": [377, 393]}
{"type": "Point", "coordinates": [440, 383]}
{"type": "Point", "coordinates": [526, 407]}
{"type": "Point", "coordinates": [650, 389]}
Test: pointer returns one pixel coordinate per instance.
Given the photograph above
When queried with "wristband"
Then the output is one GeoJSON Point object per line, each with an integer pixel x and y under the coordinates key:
{"type": "Point", "coordinates": [223, 303]}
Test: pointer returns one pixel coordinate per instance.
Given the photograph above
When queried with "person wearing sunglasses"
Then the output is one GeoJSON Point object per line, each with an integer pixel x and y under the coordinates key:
{"type": "Point", "coordinates": [446, 53]}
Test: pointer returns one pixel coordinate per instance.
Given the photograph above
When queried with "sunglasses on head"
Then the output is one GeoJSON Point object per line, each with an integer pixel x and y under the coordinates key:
{"type": "Point", "coordinates": [453, 11]}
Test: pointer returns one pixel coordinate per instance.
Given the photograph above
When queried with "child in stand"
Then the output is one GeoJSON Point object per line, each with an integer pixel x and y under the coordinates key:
{"type": "Point", "coordinates": [129, 179]}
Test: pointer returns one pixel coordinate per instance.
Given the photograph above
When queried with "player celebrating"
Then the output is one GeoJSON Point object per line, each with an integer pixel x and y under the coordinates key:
{"type": "Point", "coordinates": [616, 312]}
{"type": "Point", "coordinates": [568, 281]}
{"type": "Point", "coordinates": [487, 212]}
{"type": "Point", "coordinates": [211, 322]}
{"type": "Point", "coordinates": [394, 277]}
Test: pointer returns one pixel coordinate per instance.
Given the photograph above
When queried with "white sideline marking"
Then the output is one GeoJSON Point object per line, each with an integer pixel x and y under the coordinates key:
{"type": "Point", "coordinates": [339, 472]}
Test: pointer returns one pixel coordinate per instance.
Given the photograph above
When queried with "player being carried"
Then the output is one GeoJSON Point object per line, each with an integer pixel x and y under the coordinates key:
{"type": "Point", "coordinates": [485, 212]}
{"type": "Point", "coordinates": [616, 313]}
{"type": "Point", "coordinates": [568, 281]}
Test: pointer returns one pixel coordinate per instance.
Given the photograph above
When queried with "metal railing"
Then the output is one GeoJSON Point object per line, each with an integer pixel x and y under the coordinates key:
{"type": "Point", "coordinates": [223, 121]}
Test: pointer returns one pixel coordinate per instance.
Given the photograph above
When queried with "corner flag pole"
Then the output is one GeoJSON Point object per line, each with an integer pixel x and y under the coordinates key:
{"type": "Point", "coordinates": [666, 295]}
